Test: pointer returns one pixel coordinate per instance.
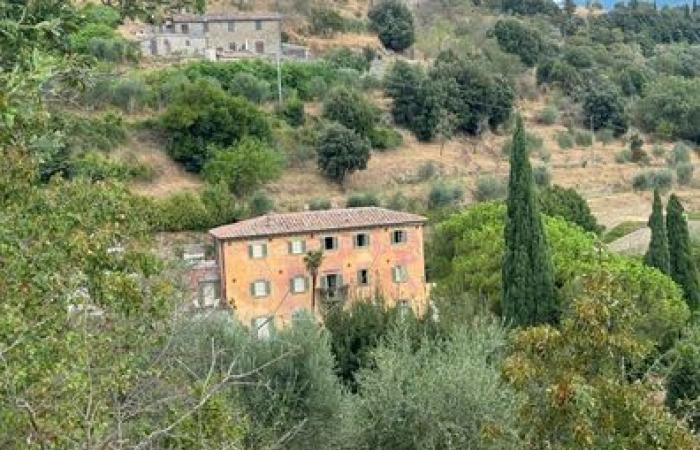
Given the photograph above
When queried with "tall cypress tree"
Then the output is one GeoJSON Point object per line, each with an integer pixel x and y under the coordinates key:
{"type": "Point", "coordinates": [683, 269]}
{"type": "Point", "coordinates": [658, 255]}
{"type": "Point", "coordinates": [528, 275]}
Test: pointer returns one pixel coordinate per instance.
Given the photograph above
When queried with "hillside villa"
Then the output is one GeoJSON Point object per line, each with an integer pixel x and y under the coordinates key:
{"type": "Point", "coordinates": [367, 253]}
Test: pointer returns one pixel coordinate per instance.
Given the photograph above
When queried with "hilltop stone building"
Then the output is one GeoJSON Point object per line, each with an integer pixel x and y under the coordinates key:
{"type": "Point", "coordinates": [214, 35]}
{"type": "Point", "coordinates": [367, 252]}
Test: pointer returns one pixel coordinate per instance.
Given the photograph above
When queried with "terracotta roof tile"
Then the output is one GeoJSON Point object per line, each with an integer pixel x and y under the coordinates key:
{"type": "Point", "coordinates": [310, 221]}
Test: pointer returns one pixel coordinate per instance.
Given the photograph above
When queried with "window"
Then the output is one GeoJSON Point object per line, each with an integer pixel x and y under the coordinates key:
{"type": "Point", "coordinates": [259, 47]}
{"type": "Point", "coordinates": [361, 240]}
{"type": "Point", "coordinates": [363, 277]}
{"type": "Point", "coordinates": [208, 294]}
{"type": "Point", "coordinates": [404, 307]}
{"type": "Point", "coordinates": [258, 25]}
{"type": "Point", "coordinates": [298, 284]}
{"type": "Point", "coordinates": [187, 42]}
{"type": "Point", "coordinates": [329, 243]}
{"type": "Point", "coordinates": [260, 288]}
{"type": "Point", "coordinates": [257, 251]}
{"type": "Point", "coordinates": [185, 28]}
{"type": "Point", "coordinates": [399, 274]}
{"type": "Point", "coordinates": [232, 46]}
{"type": "Point", "coordinates": [232, 26]}
{"type": "Point", "coordinates": [205, 27]}
{"type": "Point", "coordinates": [262, 327]}
{"type": "Point", "coordinates": [332, 281]}
{"type": "Point", "coordinates": [297, 247]}
{"type": "Point", "coordinates": [398, 236]}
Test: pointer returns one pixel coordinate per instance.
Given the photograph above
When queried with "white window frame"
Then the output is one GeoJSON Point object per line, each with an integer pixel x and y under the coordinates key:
{"type": "Point", "coordinates": [266, 288]}
{"type": "Point", "coordinates": [252, 246]}
{"type": "Point", "coordinates": [263, 327]}
{"type": "Point", "coordinates": [301, 247]}
{"type": "Point", "coordinates": [399, 274]}
{"type": "Point", "coordinates": [293, 284]}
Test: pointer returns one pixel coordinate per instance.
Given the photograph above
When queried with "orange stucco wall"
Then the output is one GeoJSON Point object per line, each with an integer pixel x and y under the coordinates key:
{"type": "Point", "coordinates": [238, 270]}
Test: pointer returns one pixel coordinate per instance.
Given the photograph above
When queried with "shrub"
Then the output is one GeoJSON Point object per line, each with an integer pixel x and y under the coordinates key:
{"type": "Point", "coordinates": [671, 106]}
{"type": "Point", "coordinates": [604, 108]}
{"type": "Point", "coordinates": [583, 138]}
{"type": "Point", "coordinates": [623, 156]}
{"type": "Point", "coordinates": [568, 204]}
{"type": "Point", "coordinates": [489, 187]}
{"type": "Point", "coordinates": [293, 111]}
{"type": "Point", "coordinates": [683, 380]}
{"type": "Point", "coordinates": [260, 203]}
{"type": "Point", "coordinates": [637, 152]}
{"type": "Point", "coordinates": [549, 115]}
{"type": "Point", "coordinates": [350, 109]}
{"type": "Point", "coordinates": [317, 88]}
{"type": "Point", "coordinates": [605, 136]}
{"type": "Point", "coordinates": [250, 87]}
{"type": "Point", "coordinates": [658, 150]}
{"type": "Point", "coordinates": [565, 140]}
{"type": "Point", "coordinates": [343, 57]}
{"type": "Point", "coordinates": [684, 173]}
{"type": "Point", "coordinates": [398, 202]}
{"type": "Point", "coordinates": [96, 166]}
{"type": "Point", "coordinates": [341, 151]}
{"type": "Point", "coordinates": [318, 204]}
{"type": "Point", "coordinates": [393, 22]}
{"type": "Point", "coordinates": [680, 154]}
{"type": "Point", "coordinates": [243, 167]}
{"type": "Point", "coordinates": [326, 22]}
{"type": "Point", "coordinates": [130, 94]}
{"type": "Point", "coordinates": [542, 176]}
{"type": "Point", "coordinates": [383, 138]}
{"type": "Point", "coordinates": [202, 115]}
{"type": "Point", "coordinates": [650, 179]}
{"type": "Point", "coordinates": [442, 195]}
{"type": "Point", "coordinates": [516, 37]}
{"type": "Point", "coordinates": [362, 199]}
{"type": "Point", "coordinates": [100, 14]}
{"type": "Point", "coordinates": [426, 171]}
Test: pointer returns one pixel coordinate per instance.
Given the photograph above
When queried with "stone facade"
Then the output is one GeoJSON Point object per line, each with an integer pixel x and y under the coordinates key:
{"type": "Point", "coordinates": [215, 36]}
{"type": "Point", "coordinates": [265, 280]}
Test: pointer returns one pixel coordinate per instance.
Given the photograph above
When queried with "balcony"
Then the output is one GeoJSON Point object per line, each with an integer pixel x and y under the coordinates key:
{"type": "Point", "coordinates": [332, 295]}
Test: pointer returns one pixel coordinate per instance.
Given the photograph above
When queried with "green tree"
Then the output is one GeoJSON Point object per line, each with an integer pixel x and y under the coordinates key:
{"type": "Point", "coordinates": [670, 106]}
{"type": "Point", "coordinates": [515, 37]}
{"type": "Point", "coordinates": [312, 262]}
{"type": "Point", "coordinates": [351, 109]}
{"type": "Point", "coordinates": [244, 167]}
{"type": "Point", "coordinates": [568, 204]}
{"type": "Point", "coordinates": [658, 254]}
{"type": "Point", "coordinates": [575, 377]}
{"type": "Point", "coordinates": [603, 108]}
{"type": "Point", "coordinates": [202, 117]}
{"type": "Point", "coordinates": [683, 270]}
{"type": "Point", "coordinates": [393, 22]}
{"type": "Point", "coordinates": [683, 379]}
{"type": "Point", "coordinates": [341, 151]}
{"type": "Point", "coordinates": [528, 278]}
{"type": "Point", "coordinates": [414, 396]}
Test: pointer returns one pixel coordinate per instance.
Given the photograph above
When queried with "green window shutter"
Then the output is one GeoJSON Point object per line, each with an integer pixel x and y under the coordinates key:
{"type": "Point", "coordinates": [291, 285]}
{"type": "Point", "coordinates": [252, 289]}
{"type": "Point", "coordinates": [264, 250]}
{"type": "Point", "coordinates": [322, 247]}
{"type": "Point", "coordinates": [335, 243]}
{"type": "Point", "coordinates": [289, 247]}
{"type": "Point", "coordinates": [303, 246]}
{"type": "Point", "coordinates": [307, 284]}
{"type": "Point", "coordinates": [268, 287]}
{"type": "Point", "coordinates": [340, 280]}
{"type": "Point", "coordinates": [394, 273]}
{"type": "Point", "coordinates": [367, 239]}
{"type": "Point", "coordinates": [250, 251]}
{"type": "Point", "coordinates": [324, 282]}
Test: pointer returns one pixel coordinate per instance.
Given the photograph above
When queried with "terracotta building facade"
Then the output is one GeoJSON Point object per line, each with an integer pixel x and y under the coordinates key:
{"type": "Point", "coordinates": [367, 253]}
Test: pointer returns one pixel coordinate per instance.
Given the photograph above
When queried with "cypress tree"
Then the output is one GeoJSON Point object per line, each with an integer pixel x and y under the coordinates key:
{"type": "Point", "coordinates": [658, 255]}
{"type": "Point", "coordinates": [528, 275]}
{"type": "Point", "coordinates": [683, 269]}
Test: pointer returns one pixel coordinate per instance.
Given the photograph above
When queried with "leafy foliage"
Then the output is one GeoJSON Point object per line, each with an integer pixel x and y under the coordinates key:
{"type": "Point", "coordinates": [515, 37]}
{"type": "Point", "coordinates": [341, 151]}
{"type": "Point", "coordinates": [244, 167]}
{"type": "Point", "coordinates": [568, 204]}
{"type": "Point", "coordinates": [393, 22]}
{"type": "Point", "coordinates": [351, 109]}
{"type": "Point", "coordinates": [528, 279]}
{"type": "Point", "coordinates": [603, 108]}
{"type": "Point", "coordinates": [202, 115]}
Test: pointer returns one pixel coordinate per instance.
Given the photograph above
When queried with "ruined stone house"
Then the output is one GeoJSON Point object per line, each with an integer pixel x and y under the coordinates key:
{"type": "Point", "coordinates": [214, 35]}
